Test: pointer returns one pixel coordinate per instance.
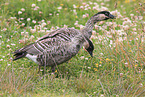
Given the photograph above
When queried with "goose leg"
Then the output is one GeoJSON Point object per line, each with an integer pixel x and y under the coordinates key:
{"type": "Point", "coordinates": [39, 68]}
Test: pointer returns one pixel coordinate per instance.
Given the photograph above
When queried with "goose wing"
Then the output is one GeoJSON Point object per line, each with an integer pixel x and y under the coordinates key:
{"type": "Point", "coordinates": [46, 42]}
{"type": "Point", "coordinates": [59, 54]}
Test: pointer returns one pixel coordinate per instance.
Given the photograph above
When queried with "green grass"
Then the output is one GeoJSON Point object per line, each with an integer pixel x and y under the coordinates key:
{"type": "Point", "coordinates": [117, 68]}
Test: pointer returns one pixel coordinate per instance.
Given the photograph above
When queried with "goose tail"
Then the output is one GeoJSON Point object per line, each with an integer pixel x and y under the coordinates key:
{"type": "Point", "coordinates": [19, 54]}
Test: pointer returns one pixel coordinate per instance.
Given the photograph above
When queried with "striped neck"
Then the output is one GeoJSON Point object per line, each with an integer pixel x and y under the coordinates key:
{"type": "Point", "coordinates": [87, 30]}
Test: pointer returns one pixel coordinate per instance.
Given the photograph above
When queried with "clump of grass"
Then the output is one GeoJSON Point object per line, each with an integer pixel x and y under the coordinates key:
{"type": "Point", "coordinates": [17, 81]}
{"type": "Point", "coordinates": [84, 84]}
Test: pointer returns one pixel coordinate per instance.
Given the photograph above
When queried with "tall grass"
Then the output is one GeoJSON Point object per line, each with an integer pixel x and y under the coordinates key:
{"type": "Point", "coordinates": [117, 68]}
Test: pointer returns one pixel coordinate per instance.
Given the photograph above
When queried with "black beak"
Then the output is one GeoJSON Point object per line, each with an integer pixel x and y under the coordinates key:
{"type": "Point", "coordinates": [91, 53]}
{"type": "Point", "coordinates": [112, 16]}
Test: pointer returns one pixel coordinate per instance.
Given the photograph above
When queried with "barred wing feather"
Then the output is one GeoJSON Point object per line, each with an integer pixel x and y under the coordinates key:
{"type": "Point", "coordinates": [47, 42]}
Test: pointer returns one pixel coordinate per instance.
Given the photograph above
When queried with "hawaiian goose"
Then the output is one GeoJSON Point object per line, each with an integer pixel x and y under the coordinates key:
{"type": "Point", "coordinates": [62, 44]}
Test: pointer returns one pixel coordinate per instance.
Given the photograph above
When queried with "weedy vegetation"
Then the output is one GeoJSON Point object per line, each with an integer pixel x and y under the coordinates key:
{"type": "Point", "coordinates": [116, 70]}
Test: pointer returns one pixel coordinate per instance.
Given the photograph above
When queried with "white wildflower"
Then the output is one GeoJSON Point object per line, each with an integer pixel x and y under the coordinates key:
{"type": "Point", "coordinates": [22, 9]}
{"type": "Point", "coordinates": [4, 29]}
{"type": "Point", "coordinates": [94, 8]}
{"type": "Point", "coordinates": [93, 32]}
{"type": "Point", "coordinates": [33, 5]}
{"type": "Point", "coordinates": [74, 6]}
{"type": "Point", "coordinates": [114, 12]}
{"type": "Point", "coordinates": [31, 37]}
{"type": "Point", "coordinates": [134, 29]}
{"type": "Point", "coordinates": [28, 19]}
{"type": "Point", "coordinates": [13, 44]}
{"type": "Point", "coordinates": [48, 22]}
{"type": "Point", "coordinates": [8, 40]}
{"type": "Point", "coordinates": [27, 33]}
{"type": "Point", "coordinates": [1, 59]}
{"type": "Point", "coordinates": [101, 22]}
{"type": "Point", "coordinates": [126, 63]}
{"type": "Point", "coordinates": [48, 31]}
{"type": "Point", "coordinates": [89, 7]}
{"type": "Point", "coordinates": [126, 27]}
{"type": "Point", "coordinates": [8, 46]}
{"type": "Point", "coordinates": [131, 15]}
{"type": "Point", "coordinates": [82, 57]}
{"type": "Point", "coordinates": [136, 17]}
{"type": "Point", "coordinates": [19, 12]}
{"type": "Point", "coordinates": [33, 21]}
{"type": "Point", "coordinates": [84, 16]}
{"type": "Point", "coordinates": [86, 58]}
{"type": "Point", "coordinates": [102, 3]}
{"type": "Point", "coordinates": [59, 7]}
{"type": "Point", "coordinates": [6, 3]}
{"type": "Point", "coordinates": [109, 23]}
{"type": "Point", "coordinates": [46, 28]}
{"type": "Point", "coordinates": [23, 24]}
{"type": "Point", "coordinates": [12, 17]}
{"type": "Point", "coordinates": [134, 32]}
{"type": "Point", "coordinates": [74, 11]}
{"type": "Point", "coordinates": [104, 8]}
{"type": "Point", "coordinates": [119, 16]}
{"type": "Point", "coordinates": [33, 30]}
{"type": "Point", "coordinates": [81, 26]}
{"type": "Point", "coordinates": [90, 2]}
{"type": "Point", "coordinates": [36, 8]}
{"type": "Point", "coordinates": [42, 20]}
{"type": "Point", "coordinates": [121, 74]}
{"type": "Point", "coordinates": [50, 13]}
{"type": "Point", "coordinates": [42, 30]}
{"type": "Point", "coordinates": [84, 3]}
{"type": "Point", "coordinates": [120, 39]}
{"type": "Point", "coordinates": [81, 7]}
{"type": "Point", "coordinates": [40, 12]}
{"type": "Point", "coordinates": [21, 18]}
{"type": "Point", "coordinates": [102, 95]}
{"type": "Point", "coordinates": [101, 53]}
{"type": "Point", "coordinates": [140, 17]}
{"type": "Point", "coordinates": [141, 85]}
{"type": "Point", "coordinates": [9, 64]}
{"type": "Point", "coordinates": [22, 33]}
{"type": "Point", "coordinates": [89, 67]}
{"type": "Point", "coordinates": [43, 24]}
{"type": "Point", "coordinates": [111, 42]}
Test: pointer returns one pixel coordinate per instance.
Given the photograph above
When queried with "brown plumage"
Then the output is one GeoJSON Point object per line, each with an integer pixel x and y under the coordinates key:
{"type": "Point", "coordinates": [62, 44]}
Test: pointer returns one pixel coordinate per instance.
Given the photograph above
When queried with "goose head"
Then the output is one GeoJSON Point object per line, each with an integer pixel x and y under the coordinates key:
{"type": "Point", "coordinates": [103, 15]}
{"type": "Point", "coordinates": [89, 46]}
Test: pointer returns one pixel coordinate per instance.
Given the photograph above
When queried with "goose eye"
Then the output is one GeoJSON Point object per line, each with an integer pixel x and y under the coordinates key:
{"type": "Point", "coordinates": [106, 14]}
